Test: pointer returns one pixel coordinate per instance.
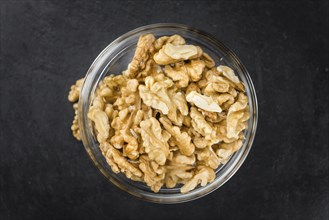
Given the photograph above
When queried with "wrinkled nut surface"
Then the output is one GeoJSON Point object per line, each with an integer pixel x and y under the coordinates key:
{"type": "Point", "coordinates": [143, 51]}
{"type": "Point", "coordinates": [153, 173]}
{"type": "Point", "coordinates": [120, 162]}
{"type": "Point", "coordinates": [209, 157]}
{"type": "Point", "coordinates": [201, 126]}
{"type": "Point", "coordinates": [156, 145]}
{"type": "Point", "coordinates": [174, 40]}
{"type": "Point", "coordinates": [75, 91]}
{"type": "Point", "coordinates": [182, 139]}
{"type": "Point", "coordinates": [75, 126]}
{"type": "Point", "coordinates": [184, 73]}
{"type": "Point", "coordinates": [178, 52]}
{"type": "Point", "coordinates": [235, 115]}
{"type": "Point", "coordinates": [74, 97]}
{"type": "Point", "coordinates": [102, 124]}
{"type": "Point", "coordinates": [210, 63]}
{"type": "Point", "coordinates": [178, 73]}
{"type": "Point", "coordinates": [171, 118]}
{"type": "Point", "coordinates": [203, 176]}
{"type": "Point", "coordinates": [228, 73]}
{"type": "Point", "coordinates": [159, 94]}
{"type": "Point", "coordinates": [204, 102]}
{"type": "Point", "coordinates": [170, 53]}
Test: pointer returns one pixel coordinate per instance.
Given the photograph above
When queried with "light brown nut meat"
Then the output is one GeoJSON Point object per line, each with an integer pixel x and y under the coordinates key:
{"type": "Point", "coordinates": [157, 94]}
{"type": "Point", "coordinates": [223, 98]}
{"type": "Point", "coordinates": [203, 176]}
{"type": "Point", "coordinates": [179, 100]}
{"type": "Point", "coordinates": [235, 114]}
{"type": "Point", "coordinates": [242, 125]}
{"type": "Point", "coordinates": [111, 113]}
{"type": "Point", "coordinates": [201, 142]}
{"type": "Point", "coordinates": [74, 97]}
{"type": "Point", "coordinates": [131, 149]}
{"type": "Point", "coordinates": [98, 103]}
{"type": "Point", "coordinates": [204, 102]}
{"type": "Point", "coordinates": [137, 120]}
{"type": "Point", "coordinates": [156, 146]}
{"type": "Point", "coordinates": [182, 139]}
{"type": "Point", "coordinates": [104, 148]}
{"type": "Point", "coordinates": [130, 137]}
{"type": "Point", "coordinates": [75, 125]}
{"type": "Point", "coordinates": [232, 92]}
{"type": "Point", "coordinates": [147, 110]}
{"type": "Point", "coordinates": [233, 79]}
{"type": "Point", "coordinates": [75, 91]}
{"type": "Point", "coordinates": [174, 40]}
{"type": "Point", "coordinates": [210, 63]}
{"type": "Point", "coordinates": [185, 52]}
{"type": "Point", "coordinates": [178, 73]}
{"type": "Point", "coordinates": [125, 124]}
{"type": "Point", "coordinates": [115, 81]}
{"type": "Point", "coordinates": [118, 161]}
{"type": "Point", "coordinates": [117, 140]}
{"type": "Point", "coordinates": [183, 73]}
{"type": "Point", "coordinates": [179, 169]}
{"type": "Point", "coordinates": [213, 117]}
{"type": "Point", "coordinates": [142, 54]}
{"type": "Point", "coordinates": [176, 176]}
{"type": "Point", "coordinates": [226, 150]}
{"type": "Point", "coordinates": [132, 85]}
{"type": "Point", "coordinates": [202, 126]}
{"type": "Point", "coordinates": [170, 53]}
{"type": "Point", "coordinates": [215, 83]}
{"type": "Point", "coordinates": [195, 69]}
{"type": "Point", "coordinates": [102, 124]}
{"type": "Point", "coordinates": [172, 144]}
{"type": "Point", "coordinates": [179, 159]}
{"type": "Point", "coordinates": [208, 157]}
{"type": "Point", "coordinates": [228, 73]}
{"type": "Point", "coordinates": [99, 117]}
{"type": "Point", "coordinates": [193, 133]}
{"type": "Point", "coordinates": [110, 87]}
{"type": "Point", "coordinates": [151, 69]}
{"type": "Point", "coordinates": [129, 96]}
{"type": "Point", "coordinates": [119, 122]}
{"type": "Point", "coordinates": [192, 87]}
{"type": "Point", "coordinates": [106, 92]}
{"type": "Point", "coordinates": [221, 131]}
{"type": "Point", "coordinates": [187, 121]}
{"type": "Point", "coordinates": [213, 87]}
{"type": "Point", "coordinates": [125, 136]}
{"type": "Point", "coordinates": [153, 173]}
{"type": "Point", "coordinates": [202, 83]}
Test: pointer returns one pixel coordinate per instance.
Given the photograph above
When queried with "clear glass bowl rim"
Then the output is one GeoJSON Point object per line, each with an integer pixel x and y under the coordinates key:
{"type": "Point", "coordinates": [86, 133]}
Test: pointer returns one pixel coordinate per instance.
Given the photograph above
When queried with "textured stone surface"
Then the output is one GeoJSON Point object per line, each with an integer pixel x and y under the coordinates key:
{"type": "Point", "coordinates": [47, 45]}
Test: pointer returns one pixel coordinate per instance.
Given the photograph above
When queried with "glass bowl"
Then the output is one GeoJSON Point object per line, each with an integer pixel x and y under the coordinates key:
{"type": "Point", "coordinates": [114, 59]}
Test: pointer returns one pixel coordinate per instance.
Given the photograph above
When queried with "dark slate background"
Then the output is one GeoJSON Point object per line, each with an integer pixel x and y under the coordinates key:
{"type": "Point", "coordinates": [47, 45]}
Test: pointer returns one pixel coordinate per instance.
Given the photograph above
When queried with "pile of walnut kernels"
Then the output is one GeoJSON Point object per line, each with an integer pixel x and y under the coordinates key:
{"type": "Point", "coordinates": [171, 118]}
